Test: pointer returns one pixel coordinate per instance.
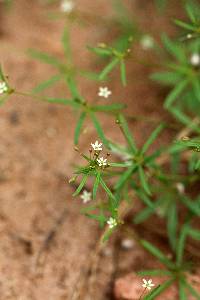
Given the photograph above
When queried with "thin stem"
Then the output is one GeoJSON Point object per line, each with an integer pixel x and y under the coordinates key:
{"type": "Point", "coordinates": [29, 95]}
{"type": "Point", "coordinates": [142, 294]}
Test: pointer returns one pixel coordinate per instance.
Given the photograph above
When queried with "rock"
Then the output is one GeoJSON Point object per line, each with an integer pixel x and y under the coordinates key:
{"type": "Point", "coordinates": [127, 244]}
{"type": "Point", "coordinates": [128, 287]}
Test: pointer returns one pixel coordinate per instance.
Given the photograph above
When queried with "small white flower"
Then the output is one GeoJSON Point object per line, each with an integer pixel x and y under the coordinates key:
{"type": "Point", "coordinates": [86, 196]}
{"type": "Point", "coordinates": [195, 59]}
{"type": "Point", "coordinates": [147, 42]}
{"type": "Point", "coordinates": [104, 92]}
{"type": "Point", "coordinates": [97, 146]}
{"type": "Point", "coordinates": [112, 223]}
{"type": "Point", "coordinates": [180, 188]}
{"type": "Point", "coordinates": [3, 87]}
{"type": "Point", "coordinates": [189, 36]}
{"type": "Point", "coordinates": [102, 161]}
{"type": "Point", "coordinates": [147, 284]}
{"type": "Point", "coordinates": [67, 6]}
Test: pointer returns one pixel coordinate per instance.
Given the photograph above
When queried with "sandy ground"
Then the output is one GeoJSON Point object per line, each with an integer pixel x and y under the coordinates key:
{"type": "Point", "coordinates": [37, 157]}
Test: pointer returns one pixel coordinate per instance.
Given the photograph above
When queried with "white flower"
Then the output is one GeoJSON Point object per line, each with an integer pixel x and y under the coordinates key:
{"type": "Point", "coordinates": [112, 223]}
{"type": "Point", "coordinates": [104, 92]}
{"type": "Point", "coordinates": [102, 162]}
{"type": "Point", "coordinates": [3, 87]}
{"type": "Point", "coordinates": [195, 59]}
{"type": "Point", "coordinates": [86, 196]}
{"type": "Point", "coordinates": [180, 188]}
{"type": "Point", "coordinates": [189, 36]}
{"type": "Point", "coordinates": [67, 6]}
{"type": "Point", "coordinates": [147, 42]}
{"type": "Point", "coordinates": [97, 146]}
{"type": "Point", "coordinates": [147, 284]}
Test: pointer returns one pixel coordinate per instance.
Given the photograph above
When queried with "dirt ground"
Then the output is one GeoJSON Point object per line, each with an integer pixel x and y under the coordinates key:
{"type": "Point", "coordinates": [37, 157]}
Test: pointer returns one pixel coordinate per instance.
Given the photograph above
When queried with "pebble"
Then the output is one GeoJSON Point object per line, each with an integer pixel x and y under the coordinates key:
{"type": "Point", "coordinates": [127, 244]}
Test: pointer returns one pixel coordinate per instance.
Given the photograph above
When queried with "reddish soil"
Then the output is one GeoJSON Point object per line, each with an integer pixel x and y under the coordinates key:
{"type": "Point", "coordinates": [37, 158]}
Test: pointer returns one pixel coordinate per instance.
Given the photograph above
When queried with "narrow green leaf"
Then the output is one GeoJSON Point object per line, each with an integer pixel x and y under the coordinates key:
{"type": "Point", "coordinates": [157, 253]}
{"type": "Point", "coordinates": [175, 93]}
{"type": "Point", "coordinates": [119, 165]}
{"type": "Point", "coordinates": [143, 181]}
{"type": "Point", "coordinates": [196, 86]}
{"type": "Point", "coordinates": [195, 234]}
{"type": "Point", "coordinates": [2, 77]}
{"type": "Point", "coordinates": [181, 244]}
{"type": "Point", "coordinates": [147, 212]}
{"type": "Point", "coordinates": [125, 129]}
{"type": "Point", "coordinates": [79, 125]}
{"type": "Point", "coordinates": [88, 209]}
{"type": "Point", "coordinates": [81, 185]}
{"type": "Point", "coordinates": [124, 177]}
{"type": "Point", "coordinates": [191, 12]}
{"type": "Point", "coordinates": [89, 75]}
{"type": "Point", "coordinates": [192, 290]}
{"type": "Point", "coordinates": [72, 87]}
{"type": "Point", "coordinates": [145, 199]}
{"type": "Point", "coordinates": [96, 184]}
{"type": "Point", "coordinates": [123, 72]}
{"type": "Point", "coordinates": [152, 138]}
{"type": "Point", "coordinates": [180, 68]}
{"type": "Point", "coordinates": [149, 160]}
{"type": "Point", "coordinates": [190, 143]}
{"type": "Point", "coordinates": [192, 205]}
{"type": "Point", "coordinates": [47, 83]}
{"type": "Point", "coordinates": [61, 101]}
{"type": "Point", "coordinates": [182, 290]}
{"type": "Point", "coordinates": [167, 78]}
{"type": "Point", "coordinates": [185, 25]}
{"type": "Point", "coordinates": [44, 57]}
{"type": "Point", "coordinates": [197, 165]}
{"type": "Point", "coordinates": [174, 48]}
{"type": "Point", "coordinates": [108, 191]}
{"type": "Point", "coordinates": [109, 108]}
{"type": "Point", "coordinates": [120, 150]}
{"type": "Point", "coordinates": [100, 217]}
{"type": "Point", "coordinates": [143, 215]}
{"type": "Point", "coordinates": [99, 130]}
{"type": "Point", "coordinates": [108, 68]}
{"type": "Point", "coordinates": [179, 115]}
{"type": "Point", "coordinates": [100, 51]}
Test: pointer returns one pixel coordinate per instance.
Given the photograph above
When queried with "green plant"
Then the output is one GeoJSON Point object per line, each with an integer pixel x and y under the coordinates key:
{"type": "Point", "coordinates": [192, 27]}
{"type": "Point", "coordinates": [153, 177]}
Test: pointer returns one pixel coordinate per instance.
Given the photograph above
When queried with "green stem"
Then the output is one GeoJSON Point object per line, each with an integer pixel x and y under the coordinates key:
{"type": "Point", "coordinates": [24, 94]}
{"type": "Point", "coordinates": [142, 294]}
